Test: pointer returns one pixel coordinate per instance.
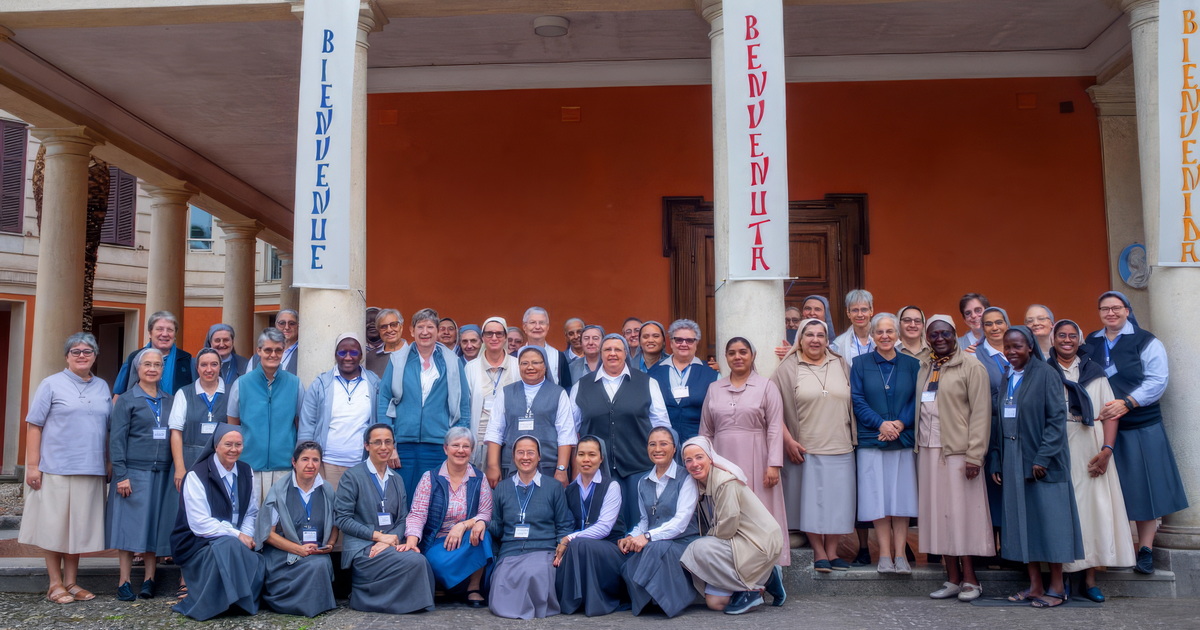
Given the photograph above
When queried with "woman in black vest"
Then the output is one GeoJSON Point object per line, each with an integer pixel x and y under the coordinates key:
{"type": "Point", "coordinates": [666, 525]}
{"type": "Point", "coordinates": [195, 413]}
{"type": "Point", "coordinates": [533, 406]}
{"type": "Point", "coordinates": [213, 542]}
{"type": "Point", "coordinates": [588, 560]}
{"type": "Point", "coordinates": [451, 508]}
{"type": "Point", "coordinates": [1135, 363]}
{"type": "Point", "coordinates": [296, 523]}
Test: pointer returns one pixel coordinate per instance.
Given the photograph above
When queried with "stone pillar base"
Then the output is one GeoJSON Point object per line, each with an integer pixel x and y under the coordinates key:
{"type": "Point", "coordinates": [1184, 563]}
{"type": "Point", "coordinates": [1178, 538]}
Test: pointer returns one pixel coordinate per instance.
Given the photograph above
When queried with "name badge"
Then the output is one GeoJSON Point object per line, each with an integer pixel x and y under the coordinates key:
{"type": "Point", "coordinates": [521, 531]}
{"type": "Point", "coordinates": [160, 433]}
{"type": "Point", "coordinates": [680, 392]}
{"type": "Point", "coordinates": [525, 424]}
{"type": "Point", "coordinates": [207, 428]}
{"type": "Point", "coordinates": [384, 519]}
{"type": "Point", "coordinates": [1110, 371]}
{"type": "Point", "coordinates": [928, 397]}
{"type": "Point", "coordinates": [308, 535]}
{"type": "Point", "coordinates": [1010, 411]}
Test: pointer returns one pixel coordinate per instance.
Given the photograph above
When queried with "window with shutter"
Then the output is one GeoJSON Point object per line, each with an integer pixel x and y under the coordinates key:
{"type": "Point", "coordinates": [12, 176]}
{"type": "Point", "coordinates": [122, 209]}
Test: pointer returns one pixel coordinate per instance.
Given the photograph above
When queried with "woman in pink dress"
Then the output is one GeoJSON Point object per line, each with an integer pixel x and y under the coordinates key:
{"type": "Point", "coordinates": [743, 416]}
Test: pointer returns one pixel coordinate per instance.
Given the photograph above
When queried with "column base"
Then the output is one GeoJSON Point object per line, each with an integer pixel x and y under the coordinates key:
{"type": "Point", "coordinates": [1184, 563]}
{"type": "Point", "coordinates": [1176, 537]}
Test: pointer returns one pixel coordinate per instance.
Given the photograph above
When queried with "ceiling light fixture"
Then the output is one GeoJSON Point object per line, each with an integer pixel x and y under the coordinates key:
{"type": "Point", "coordinates": [550, 26]}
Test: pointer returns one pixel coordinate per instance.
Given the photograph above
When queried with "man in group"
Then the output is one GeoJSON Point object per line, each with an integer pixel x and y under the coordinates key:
{"type": "Point", "coordinates": [536, 323]}
{"type": "Point", "coordinates": [573, 332]}
{"type": "Point", "coordinates": [374, 341]}
{"type": "Point", "coordinates": [266, 402]}
{"type": "Point", "coordinates": [423, 392]}
{"type": "Point", "coordinates": [288, 323]}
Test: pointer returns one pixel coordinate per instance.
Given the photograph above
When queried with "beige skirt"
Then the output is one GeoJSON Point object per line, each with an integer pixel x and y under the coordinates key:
{"type": "Point", "coordinates": [953, 511]}
{"type": "Point", "coordinates": [66, 515]}
{"type": "Point", "coordinates": [1103, 523]}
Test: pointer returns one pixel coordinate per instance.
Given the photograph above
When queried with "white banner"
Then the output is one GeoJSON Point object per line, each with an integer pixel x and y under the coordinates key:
{"type": "Point", "coordinates": [756, 130]}
{"type": "Point", "coordinates": [322, 232]}
{"type": "Point", "coordinates": [1179, 132]}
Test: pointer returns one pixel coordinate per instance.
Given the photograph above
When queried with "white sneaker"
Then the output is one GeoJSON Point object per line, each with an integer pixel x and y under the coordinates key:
{"type": "Point", "coordinates": [902, 566]}
{"type": "Point", "coordinates": [969, 592]}
{"type": "Point", "coordinates": [886, 566]}
{"type": "Point", "coordinates": [948, 590]}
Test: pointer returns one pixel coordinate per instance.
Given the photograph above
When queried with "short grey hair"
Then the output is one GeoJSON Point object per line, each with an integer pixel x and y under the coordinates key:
{"type": "Point", "coordinates": [880, 317]}
{"type": "Point", "coordinates": [457, 433]}
{"type": "Point", "coordinates": [271, 334]}
{"type": "Point", "coordinates": [159, 315]}
{"type": "Point", "coordinates": [515, 329]}
{"type": "Point", "coordinates": [792, 308]}
{"type": "Point", "coordinates": [682, 324]}
{"type": "Point", "coordinates": [426, 315]}
{"type": "Point", "coordinates": [384, 312]}
{"type": "Point", "coordinates": [532, 310]}
{"type": "Point", "coordinates": [572, 320]}
{"type": "Point", "coordinates": [860, 296]}
{"type": "Point", "coordinates": [293, 311]}
{"type": "Point", "coordinates": [135, 378]}
{"type": "Point", "coordinates": [83, 338]}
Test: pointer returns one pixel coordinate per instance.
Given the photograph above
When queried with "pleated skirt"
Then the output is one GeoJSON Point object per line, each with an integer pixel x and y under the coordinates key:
{"type": "Point", "coordinates": [143, 521]}
{"type": "Point", "coordinates": [1149, 476]}
{"type": "Point", "coordinates": [451, 568]}
{"type": "Point", "coordinates": [953, 510]}
{"type": "Point", "coordinates": [66, 515]}
{"type": "Point", "coordinates": [303, 588]}
{"type": "Point", "coordinates": [887, 483]}
{"type": "Point", "coordinates": [1107, 540]}
{"type": "Point", "coordinates": [523, 586]}
{"type": "Point", "coordinates": [589, 577]}
{"type": "Point", "coordinates": [827, 494]}
{"type": "Point", "coordinates": [1041, 521]}
{"type": "Point", "coordinates": [222, 576]}
{"type": "Point", "coordinates": [392, 582]}
{"type": "Point", "coordinates": [655, 575]}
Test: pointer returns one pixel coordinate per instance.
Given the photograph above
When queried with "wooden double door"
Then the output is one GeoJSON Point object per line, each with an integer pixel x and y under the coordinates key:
{"type": "Point", "coordinates": [828, 239]}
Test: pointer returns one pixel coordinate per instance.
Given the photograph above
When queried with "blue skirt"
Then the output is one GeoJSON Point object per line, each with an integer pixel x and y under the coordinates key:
{"type": "Point", "coordinates": [222, 575]}
{"type": "Point", "coordinates": [144, 520]}
{"type": "Point", "coordinates": [1149, 477]}
{"type": "Point", "coordinates": [451, 568]}
{"type": "Point", "coordinates": [589, 577]}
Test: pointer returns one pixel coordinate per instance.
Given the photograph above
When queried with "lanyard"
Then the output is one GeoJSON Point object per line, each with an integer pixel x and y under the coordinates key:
{"type": "Point", "coordinates": [307, 504]}
{"type": "Point", "coordinates": [344, 383]}
{"type": "Point", "coordinates": [496, 382]}
{"type": "Point", "coordinates": [683, 376]}
{"type": "Point", "coordinates": [156, 407]}
{"type": "Point", "coordinates": [1108, 346]}
{"type": "Point", "coordinates": [862, 349]}
{"type": "Point", "coordinates": [528, 495]}
{"type": "Point", "coordinates": [379, 486]}
{"type": "Point", "coordinates": [209, 403]}
{"type": "Point", "coordinates": [585, 500]}
{"type": "Point", "coordinates": [1014, 382]}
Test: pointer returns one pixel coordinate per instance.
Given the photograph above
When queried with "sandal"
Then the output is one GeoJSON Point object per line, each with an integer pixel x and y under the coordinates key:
{"type": "Point", "coordinates": [79, 593]}
{"type": "Point", "coordinates": [1038, 602]}
{"type": "Point", "coordinates": [1019, 597]}
{"type": "Point", "coordinates": [476, 603]}
{"type": "Point", "coordinates": [182, 592]}
{"type": "Point", "coordinates": [58, 594]}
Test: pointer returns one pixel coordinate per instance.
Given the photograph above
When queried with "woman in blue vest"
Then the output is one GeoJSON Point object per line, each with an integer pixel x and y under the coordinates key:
{"type": "Point", "coordinates": [666, 505]}
{"type": "Point", "coordinates": [683, 378]}
{"type": "Point", "coordinates": [588, 560]}
{"type": "Point", "coordinates": [296, 525]}
{"type": "Point", "coordinates": [449, 518]}
{"type": "Point", "coordinates": [535, 406]}
{"type": "Point", "coordinates": [529, 517]}
{"type": "Point", "coordinates": [1135, 362]}
{"type": "Point", "coordinates": [390, 576]}
{"type": "Point", "coordinates": [883, 388]}
{"type": "Point", "coordinates": [142, 498]}
{"type": "Point", "coordinates": [213, 539]}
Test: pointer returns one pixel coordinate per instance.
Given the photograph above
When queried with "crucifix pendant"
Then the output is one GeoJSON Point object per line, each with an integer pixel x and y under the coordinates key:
{"type": "Point", "coordinates": [887, 387]}
{"type": "Point", "coordinates": [824, 392]}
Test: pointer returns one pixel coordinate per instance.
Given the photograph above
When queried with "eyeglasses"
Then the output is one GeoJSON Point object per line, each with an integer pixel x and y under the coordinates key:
{"type": "Point", "coordinates": [270, 351]}
{"type": "Point", "coordinates": [1032, 320]}
{"type": "Point", "coordinates": [378, 443]}
{"type": "Point", "coordinates": [861, 310]}
{"type": "Point", "coordinates": [632, 331]}
{"type": "Point", "coordinates": [283, 323]}
{"type": "Point", "coordinates": [147, 364]}
{"type": "Point", "coordinates": [388, 325]}
{"type": "Point", "coordinates": [1111, 309]}
{"type": "Point", "coordinates": [353, 354]}
{"type": "Point", "coordinates": [81, 352]}
{"type": "Point", "coordinates": [1067, 336]}
{"type": "Point", "coordinates": [910, 320]}
{"type": "Point", "coordinates": [683, 341]}
{"type": "Point", "coordinates": [941, 334]}
{"type": "Point", "coordinates": [792, 320]}
{"type": "Point", "coordinates": [994, 324]}
{"type": "Point", "coordinates": [494, 333]}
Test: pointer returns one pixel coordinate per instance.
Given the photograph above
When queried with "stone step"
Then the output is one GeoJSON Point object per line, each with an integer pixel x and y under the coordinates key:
{"type": "Point", "coordinates": [99, 575]}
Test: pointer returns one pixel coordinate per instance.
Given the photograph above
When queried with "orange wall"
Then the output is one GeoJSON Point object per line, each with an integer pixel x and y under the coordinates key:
{"type": "Point", "coordinates": [485, 202]}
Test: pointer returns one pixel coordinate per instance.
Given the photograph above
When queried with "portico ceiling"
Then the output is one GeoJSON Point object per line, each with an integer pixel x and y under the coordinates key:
{"type": "Point", "coordinates": [218, 77]}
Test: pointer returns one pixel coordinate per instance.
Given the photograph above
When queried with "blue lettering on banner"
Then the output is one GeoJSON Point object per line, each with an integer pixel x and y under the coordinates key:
{"type": "Point", "coordinates": [321, 192]}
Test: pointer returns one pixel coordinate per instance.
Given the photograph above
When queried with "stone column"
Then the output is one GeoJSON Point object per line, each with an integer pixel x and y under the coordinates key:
{"type": "Point", "coordinates": [289, 296]}
{"type": "Point", "coordinates": [745, 308]}
{"type": "Point", "coordinates": [1114, 101]}
{"type": "Point", "coordinates": [168, 250]}
{"type": "Point", "coordinates": [327, 313]}
{"type": "Point", "coordinates": [58, 304]}
{"type": "Point", "coordinates": [238, 308]}
{"type": "Point", "coordinates": [1174, 291]}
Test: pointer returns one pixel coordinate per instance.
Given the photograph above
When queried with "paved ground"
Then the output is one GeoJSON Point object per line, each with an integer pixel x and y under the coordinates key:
{"type": "Point", "coordinates": [825, 613]}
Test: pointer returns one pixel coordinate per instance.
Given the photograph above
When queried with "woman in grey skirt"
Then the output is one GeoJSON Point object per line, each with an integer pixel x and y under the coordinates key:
{"type": "Point", "coordinates": [142, 497]}
{"type": "Point", "coordinates": [390, 576]}
{"type": "Point", "coordinates": [667, 506]}
{"type": "Point", "coordinates": [529, 516]}
{"type": "Point", "coordinates": [588, 560]}
{"type": "Point", "coordinates": [296, 523]}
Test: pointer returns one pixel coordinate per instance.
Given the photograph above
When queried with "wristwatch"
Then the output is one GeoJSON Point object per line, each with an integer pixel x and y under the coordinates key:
{"type": "Point", "coordinates": [561, 467]}
{"type": "Point", "coordinates": [647, 535]}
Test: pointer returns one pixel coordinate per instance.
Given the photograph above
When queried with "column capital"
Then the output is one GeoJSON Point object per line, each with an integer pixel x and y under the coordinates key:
{"type": "Point", "coordinates": [170, 195]}
{"type": "Point", "coordinates": [67, 140]}
{"type": "Point", "coordinates": [371, 18]}
{"type": "Point", "coordinates": [711, 11]}
{"type": "Point", "coordinates": [285, 258]}
{"type": "Point", "coordinates": [1116, 96]}
{"type": "Point", "coordinates": [1140, 11]}
{"type": "Point", "coordinates": [245, 230]}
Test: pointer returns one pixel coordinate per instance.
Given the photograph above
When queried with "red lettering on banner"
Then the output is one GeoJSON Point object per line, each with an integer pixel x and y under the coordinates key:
{"type": "Point", "coordinates": [761, 107]}
{"type": "Point", "coordinates": [758, 83]}
{"type": "Point", "coordinates": [758, 171]}
{"type": "Point", "coordinates": [752, 57]}
{"type": "Point", "coordinates": [758, 202]}
{"type": "Point", "coordinates": [756, 251]}
{"type": "Point", "coordinates": [751, 31]}
{"type": "Point", "coordinates": [754, 150]}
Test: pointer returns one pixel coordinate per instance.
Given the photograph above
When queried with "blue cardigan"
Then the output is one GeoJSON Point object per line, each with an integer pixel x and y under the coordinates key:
{"type": "Point", "coordinates": [873, 405]}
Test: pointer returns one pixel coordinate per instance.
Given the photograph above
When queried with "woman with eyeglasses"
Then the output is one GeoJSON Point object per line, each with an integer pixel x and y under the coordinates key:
{"type": "Point", "coordinates": [487, 374]}
{"type": "Point", "coordinates": [1135, 363]}
{"type": "Point", "coordinates": [338, 406]}
{"type": "Point", "coordinates": [971, 306]}
{"type": "Point", "coordinates": [1039, 320]}
{"type": "Point", "coordinates": [371, 508]}
{"type": "Point", "coordinates": [954, 420]}
{"type": "Point", "coordinates": [912, 334]}
{"type": "Point", "coordinates": [535, 406]}
{"type": "Point", "coordinates": [389, 322]}
{"type": "Point", "coordinates": [684, 379]}
{"type": "Point", "coordinates": [65, 442]}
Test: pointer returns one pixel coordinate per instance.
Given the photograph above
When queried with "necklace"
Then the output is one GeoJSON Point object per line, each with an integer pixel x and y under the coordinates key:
{"type": "Point", "coordinates": [824, 392]}
{"type": "Point", "coordinates": [888, 380]}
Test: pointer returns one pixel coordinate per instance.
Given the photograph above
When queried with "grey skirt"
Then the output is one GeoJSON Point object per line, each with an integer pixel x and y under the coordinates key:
{"type": "Point", "coordinates": [710, 561]}
{"type": "Point", "coordinates": [828, 494]}
{"type": "Point", "coordinates": [142, 522]}
{"type": "Point", "coordinates": [304, 587]}
{"type": "Point", "coordinates": [222, 575]}
{"type": "Point", "coordinates": [392, 582]}
{"type": "Point", "coordinates": [523, 586]}
{"type": "Point", "coordinates": [655, 575]}
{"type": "Point", "coordinates": [589, 577]}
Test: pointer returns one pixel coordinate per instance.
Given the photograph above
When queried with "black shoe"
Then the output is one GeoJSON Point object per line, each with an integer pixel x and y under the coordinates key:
{"type": "Point", "coordinates": [775, 586]}
{"type": "Point", "coordinates": [862, 559]}
{"type": "Point", "coordinates": [147, 591]}
{"type": "Point", "coordinates": [1145, 561]}
{"type": "Point", "coordinates": [125, 592]}
{"type": "Point", "coordinates": [743, 601]}
{"type": "Point", "coordinates": [475, 603]}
